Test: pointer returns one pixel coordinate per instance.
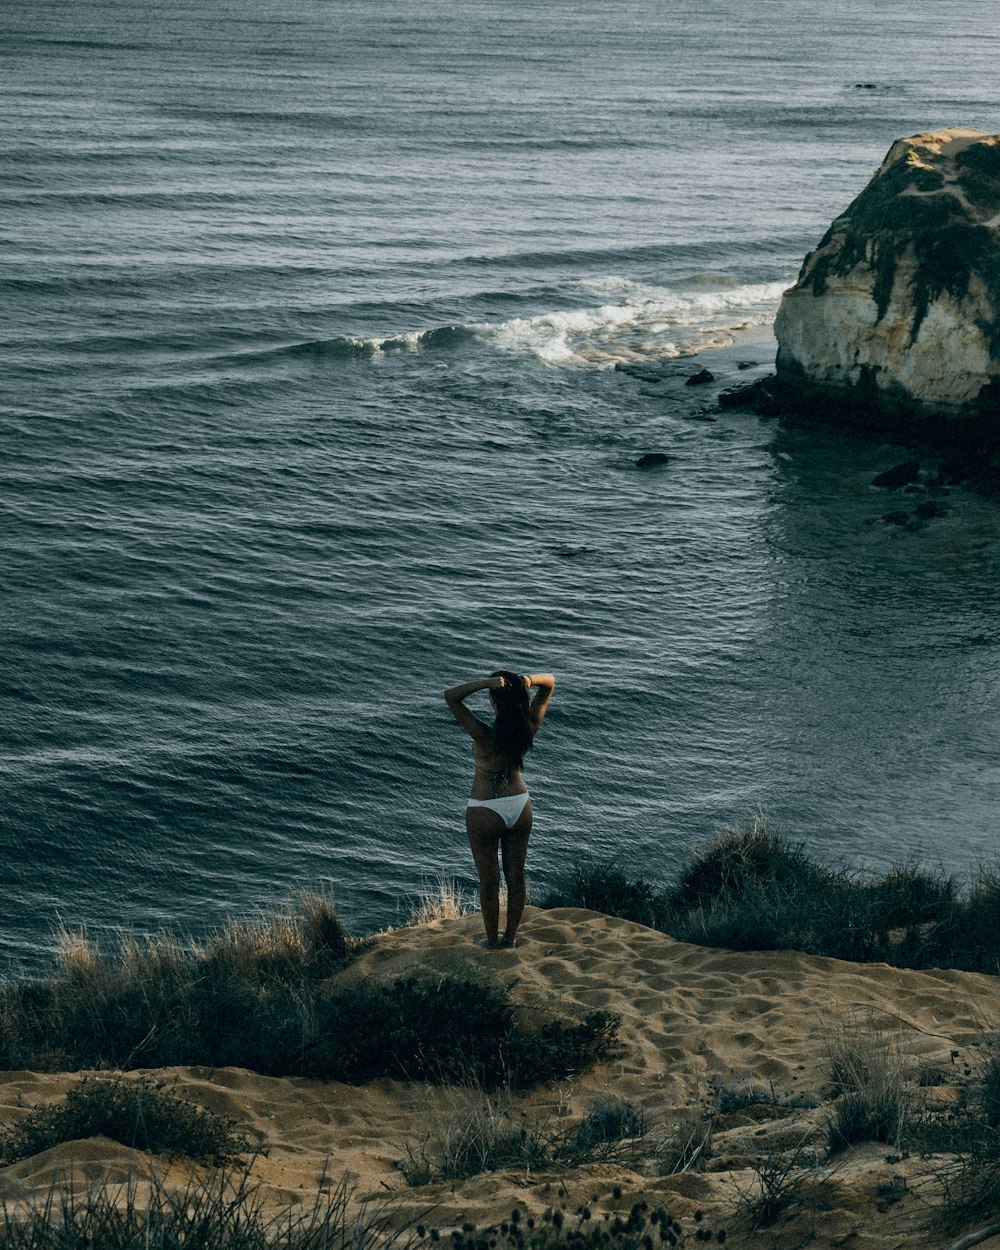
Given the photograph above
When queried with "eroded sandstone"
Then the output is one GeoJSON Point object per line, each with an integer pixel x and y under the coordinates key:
{"type": "Point", "coordinates": [894, 321]}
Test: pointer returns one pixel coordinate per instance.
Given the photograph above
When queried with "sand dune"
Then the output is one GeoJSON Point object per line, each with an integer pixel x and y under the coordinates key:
{"type": "Point", "coordinates": [694, 1021]}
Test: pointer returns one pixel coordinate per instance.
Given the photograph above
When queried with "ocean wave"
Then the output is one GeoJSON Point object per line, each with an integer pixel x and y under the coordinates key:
{"type": "Point", "coordinates": [632, 322]}
{"type": "Point", "coordinates": [637, 321]}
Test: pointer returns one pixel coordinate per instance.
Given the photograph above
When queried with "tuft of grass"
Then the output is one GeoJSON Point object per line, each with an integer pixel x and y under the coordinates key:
{"type": "Point", "coordinates": [970, 1135]}
{"type": "Point", "coordinates": [782, 1182]}
{"type": "Point", "coordinates": [221, 1211]}
{"type": "Point", "coordinates": [485, 1134]}
{"type": "Point", "coordinates": [444, 901]}
{"type": "Point", "coordinates": [138, 1112]}
{"type": "Point", "coordinates": [869, 1074]}
{"type": "Point", "coordinates": [610, 1120]}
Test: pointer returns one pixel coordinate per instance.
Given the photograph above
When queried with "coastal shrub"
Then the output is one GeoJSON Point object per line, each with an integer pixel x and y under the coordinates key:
{"type": "Point", "coordinates": [967, 936]}
{"type": "Point", "coordinates": [239, 997]}
{"type": "Point", "coordinates": [448, 1029]}
{"type": "Point", "coordinates": [259, 996]}
{"type": "Point", "coordinates": [908, 896]}
{"type": "Point", "coordinates": [137, 1112]}
{"type": "Point", "coordinates": [604, 887]}
{"type": "Point", "coordinates": [752, 888]}
{"type": "Point", "coordinates": [217, 1210]}
{"type": "Point", "coordinates": [747, 859]}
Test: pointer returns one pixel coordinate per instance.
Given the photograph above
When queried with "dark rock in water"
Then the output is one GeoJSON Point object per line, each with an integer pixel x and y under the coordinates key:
{"type": "Point", "coordinates": [758, 396]}
{"type": "Point", "coordinates": [651, 458]}
{"type": "Point", "coordinates": [930, 508]}
{"type": "Point", "coordinates": [866, 86]}
{"type": "Point", "coordinates": [894, 322]}
{"type": "Point", "coordinates": [700, 378]}
{"type": "Point", "coordinates": [746, 364]}
{"type": "Point", "coordinates": [900, 475]}
{"type": "Point", "coordinates": [896, 518]}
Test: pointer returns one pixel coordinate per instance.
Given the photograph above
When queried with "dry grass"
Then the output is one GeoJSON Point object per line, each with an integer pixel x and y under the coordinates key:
{"type": "Point", "coordinates": [478, 1132]}
{"type": "Point", "coordinates": [869, 1074]}
{"type": "Point", "coordinates": [221, 1211]}
{"type": "Point", "coordinates": [443, 901]}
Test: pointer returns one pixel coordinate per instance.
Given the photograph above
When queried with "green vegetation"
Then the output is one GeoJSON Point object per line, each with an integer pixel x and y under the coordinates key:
{"type": "Point", "coordinates": [487, 1135]}
{"type": "Point", "coordinates": [226, 1211]}
{"type": "Point", "coordinates": [263, 995]}
{"type": "Point", "coordinates": [221, 1211]}
{"type": "Point", "coordinates": [137, 1112]}
{"type": "Point", "coordinates": [869, 1076]}
{"type": "Point", "coordinates": [753, 889]}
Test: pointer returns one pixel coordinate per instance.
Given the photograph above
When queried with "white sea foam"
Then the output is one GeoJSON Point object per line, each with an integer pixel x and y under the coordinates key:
{"type": "Point", "coordinates": [637, 321]}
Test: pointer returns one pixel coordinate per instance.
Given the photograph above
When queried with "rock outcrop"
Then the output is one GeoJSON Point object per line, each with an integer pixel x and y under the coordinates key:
{"type": "Point", "coordinates": [894, 322]}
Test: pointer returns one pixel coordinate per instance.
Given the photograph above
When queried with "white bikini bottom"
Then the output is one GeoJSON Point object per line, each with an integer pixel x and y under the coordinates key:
{"type": "Point", "coordinates": [508, 807]}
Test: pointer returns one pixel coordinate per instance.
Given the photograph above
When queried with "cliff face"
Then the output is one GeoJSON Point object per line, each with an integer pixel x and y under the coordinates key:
{"type": "Point", "coordinates": [895, 317]}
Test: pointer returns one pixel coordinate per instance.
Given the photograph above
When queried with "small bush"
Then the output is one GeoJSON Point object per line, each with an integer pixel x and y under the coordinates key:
{"type": "Point", "coordinates": [967, 936]}
{"type": "Point", "coordinates": [782, 1182]}
{"type": "Point", "coordinates": [240, 997]}
{"type": "Point", "coordinates": [137, 1112]}
{"type": "Point", "coordinates": [611, 1120]}
{"type": "Point", "coordinates": [606, 888]}
{"type": "Point", "coordinates": [908, 896]}
{"type": "Point", "coordinates": [449, 1029]}
{"type": "Point", "coordinates": [746, 858]}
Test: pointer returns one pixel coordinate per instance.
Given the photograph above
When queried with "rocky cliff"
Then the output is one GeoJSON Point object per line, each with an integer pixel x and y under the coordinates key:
{"type": "Point", "coordinates": [894, 321]}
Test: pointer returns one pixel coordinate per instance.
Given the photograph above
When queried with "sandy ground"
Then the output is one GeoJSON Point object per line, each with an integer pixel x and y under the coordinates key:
{"type": "Point", "coordinates": [697, 1024]}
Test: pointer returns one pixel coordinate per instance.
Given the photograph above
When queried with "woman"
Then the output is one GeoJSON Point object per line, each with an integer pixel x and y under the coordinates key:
{"type": "Point", "coordinates": [498, 815]}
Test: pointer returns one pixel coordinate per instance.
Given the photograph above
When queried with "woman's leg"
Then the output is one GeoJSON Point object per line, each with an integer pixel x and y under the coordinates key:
{"type": "Point", "coordinates": [514, 849]}
{"type": "Point", "coordinates": [484, 829]}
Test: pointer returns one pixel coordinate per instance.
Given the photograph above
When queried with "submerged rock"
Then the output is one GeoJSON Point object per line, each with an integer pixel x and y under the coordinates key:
{"type": "Point", "coordinates": [899, 475]}
{"type": "Point", "coordinates": [650, 459]}
{"type": "Point", "coordinates": [894, 322]}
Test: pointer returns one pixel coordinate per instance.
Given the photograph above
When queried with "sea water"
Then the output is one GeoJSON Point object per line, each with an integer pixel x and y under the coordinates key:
{"type": "Point", "coordinates": [310, 321]}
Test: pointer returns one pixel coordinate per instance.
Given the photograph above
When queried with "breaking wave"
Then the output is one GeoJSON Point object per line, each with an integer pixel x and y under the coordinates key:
{"type": "Point", "coordinates": [633, 321]}
{"type": "Point", "coordinates": [638, 322]}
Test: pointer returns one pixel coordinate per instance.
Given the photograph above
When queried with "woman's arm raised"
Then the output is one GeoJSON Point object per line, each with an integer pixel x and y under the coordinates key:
{"type": "Point", "coordinates": [546, 683]}
{"type": "Point", "coordinates": [455, 695]}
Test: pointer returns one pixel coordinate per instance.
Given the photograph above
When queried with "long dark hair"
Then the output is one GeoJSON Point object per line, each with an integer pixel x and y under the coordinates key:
{"type": "Point", "coordinates": [513, 732]}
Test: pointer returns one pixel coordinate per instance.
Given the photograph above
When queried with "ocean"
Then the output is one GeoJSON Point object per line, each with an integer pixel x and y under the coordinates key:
{"type": "Point", "coordinates": [331, 334]}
